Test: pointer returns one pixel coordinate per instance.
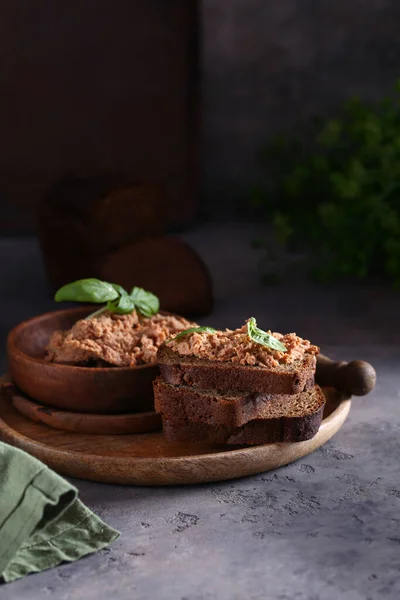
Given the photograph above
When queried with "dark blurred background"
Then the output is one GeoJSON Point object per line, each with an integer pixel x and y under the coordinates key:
{"type": "Point", "coordinates": [99, 86]}
{"type": "Point", "coordinates": [127, 121]}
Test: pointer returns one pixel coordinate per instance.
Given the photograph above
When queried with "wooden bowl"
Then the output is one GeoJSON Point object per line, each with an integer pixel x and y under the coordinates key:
{"type": "Point", "coordinates": [79, 389]}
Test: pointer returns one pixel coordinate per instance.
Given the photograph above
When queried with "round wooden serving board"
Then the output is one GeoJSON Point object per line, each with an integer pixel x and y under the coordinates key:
{"type": "Point", "coordinates": [148, 459]}
{"type": "Point", "coordinates": [86, 423]}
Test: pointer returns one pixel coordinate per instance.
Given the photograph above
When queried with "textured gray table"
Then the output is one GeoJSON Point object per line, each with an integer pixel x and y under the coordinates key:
{"type": "Point", "coordinates": [325, 528]}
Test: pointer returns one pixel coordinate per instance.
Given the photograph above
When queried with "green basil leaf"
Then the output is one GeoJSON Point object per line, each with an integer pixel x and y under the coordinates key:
{"type": "Point", "coordinates": [119, 289]}
{"type": "Point", "coordinates": [262, 337]}
{"type": "Point", "coordinates": [123, 305]}
{"type": "Point", "coordinates": [87, 290]}
{"type": "Point", "coordinates": [194, 330]}
{"type": "Point", "coordinates": [146, 303]}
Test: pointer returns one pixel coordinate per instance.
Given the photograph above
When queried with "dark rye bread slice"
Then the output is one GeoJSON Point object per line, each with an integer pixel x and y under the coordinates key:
{"type": "Point", "coordinates": [213, 407]}
{"type": "Point", "coordinates": [300, 423]}
{"type": "Point", "coordinates": [225, 376]}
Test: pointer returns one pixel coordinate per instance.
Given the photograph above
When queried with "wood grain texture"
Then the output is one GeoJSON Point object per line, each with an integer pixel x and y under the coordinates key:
{"type": "Point", "coordinates": [356, 378]}
{"type": "Point", "coordinates": [148, 459]}
{"type": "Point", "coordinates": [68, 387]}
{"type": "Point", "coordinates": [85, 423]}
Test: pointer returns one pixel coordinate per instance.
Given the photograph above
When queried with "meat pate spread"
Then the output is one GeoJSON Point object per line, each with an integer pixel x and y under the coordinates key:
{"type": "Point", "coordinates": [118, 340]}
{"type": "Point", "coordinates": [237, 347]}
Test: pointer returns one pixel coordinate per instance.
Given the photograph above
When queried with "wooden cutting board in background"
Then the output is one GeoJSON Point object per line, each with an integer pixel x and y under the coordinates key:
{"type": "Point", "coordinates": [102, 140]}
{"type": "Point", "coordinates": [96, 91]}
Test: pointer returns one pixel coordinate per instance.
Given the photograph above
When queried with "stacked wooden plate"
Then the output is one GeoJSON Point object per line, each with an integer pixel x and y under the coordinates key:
{"type": "Point", "coordinates": [73, 418]}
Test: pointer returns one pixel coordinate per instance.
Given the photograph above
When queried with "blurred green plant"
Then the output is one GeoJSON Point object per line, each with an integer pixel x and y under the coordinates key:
{"type": "Point", "coordinates": [337, 195]}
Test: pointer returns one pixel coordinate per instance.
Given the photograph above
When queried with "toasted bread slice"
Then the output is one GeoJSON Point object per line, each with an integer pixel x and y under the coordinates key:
{"type": "Point", "coordinates": [213, 407]}
{"type": "Point", "coordinates": [224, 376]}
{"type": "Point", "coordinates": [294, 421]}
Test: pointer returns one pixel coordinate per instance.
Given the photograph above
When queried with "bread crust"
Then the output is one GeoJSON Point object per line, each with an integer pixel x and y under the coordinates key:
{"type": "Point", "coordinates": [255, 432]}
{"type": "Point", "coordinates": [231, 409]}
{"type": "Point", "coordinates": [224, 376]}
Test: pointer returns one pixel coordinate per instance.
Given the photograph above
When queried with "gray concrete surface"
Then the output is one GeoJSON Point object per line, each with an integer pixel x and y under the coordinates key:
{"type": "Point", "coordinates": [324, 528]}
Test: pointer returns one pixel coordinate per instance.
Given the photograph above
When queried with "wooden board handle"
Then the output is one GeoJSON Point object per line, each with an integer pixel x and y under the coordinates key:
{"type": "Point", "coordinates": [357, 377]}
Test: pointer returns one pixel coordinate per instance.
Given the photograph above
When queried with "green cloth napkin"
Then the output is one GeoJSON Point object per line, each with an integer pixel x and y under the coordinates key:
{"type": "Point", "coordinates": [42, 522]}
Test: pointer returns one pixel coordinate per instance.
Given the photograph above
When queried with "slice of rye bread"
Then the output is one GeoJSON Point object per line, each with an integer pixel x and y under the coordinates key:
{"type": "Point", "coordinates": [225, 376]}
{"type": "Point", "coordinates": [213, 407]}
{"type": "Point", "coordinates": [301, 422]}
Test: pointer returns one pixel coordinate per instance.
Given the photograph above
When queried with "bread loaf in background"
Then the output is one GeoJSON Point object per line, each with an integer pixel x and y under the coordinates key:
{"type": "Point", "coordinates": [110, 228]}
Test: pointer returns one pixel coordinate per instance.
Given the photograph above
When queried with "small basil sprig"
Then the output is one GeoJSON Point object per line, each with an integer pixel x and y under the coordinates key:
{"type": "Point", "coordinates": [146, 303]}
{"type": "Point", "coordinates": [193, 330]}
{"type": "Point", "coordinates": [116, 297]}
{"type": "Point", "coordinates": [88, 290]}
{"type": "Point", "coordinates": [262, 337]}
